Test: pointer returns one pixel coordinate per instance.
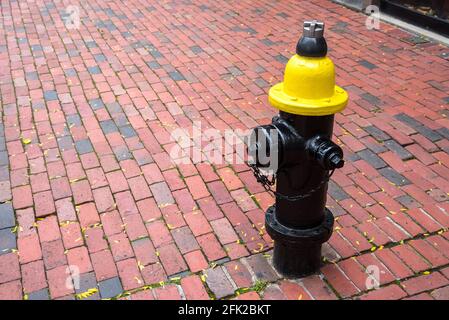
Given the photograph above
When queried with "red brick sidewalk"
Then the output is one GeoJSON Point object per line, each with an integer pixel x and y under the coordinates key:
{"type": "Point", "coordinates": [86, 179]}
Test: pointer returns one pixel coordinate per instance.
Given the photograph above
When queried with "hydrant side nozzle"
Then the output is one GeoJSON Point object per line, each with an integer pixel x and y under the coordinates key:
{"type": "Point", "coordinates": [328, 154]}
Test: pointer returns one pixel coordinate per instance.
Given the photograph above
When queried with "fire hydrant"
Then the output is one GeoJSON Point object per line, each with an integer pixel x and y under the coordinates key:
{"type": "Point", "coordinates": [296, 149]}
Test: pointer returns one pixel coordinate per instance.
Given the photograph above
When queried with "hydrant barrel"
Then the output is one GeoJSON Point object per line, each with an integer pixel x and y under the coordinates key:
{"type": "Point", "coordinates": [307, 99]}
{"type": "Point", "coordinates": [297, 214]}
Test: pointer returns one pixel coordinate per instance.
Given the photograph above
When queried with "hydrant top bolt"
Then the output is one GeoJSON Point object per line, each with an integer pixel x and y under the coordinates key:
{"type": "Point", "coordinates": [313, 29]}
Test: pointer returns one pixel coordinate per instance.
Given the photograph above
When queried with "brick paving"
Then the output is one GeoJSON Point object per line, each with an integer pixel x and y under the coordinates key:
{"type": "Point", "coordinates": [86, 178]}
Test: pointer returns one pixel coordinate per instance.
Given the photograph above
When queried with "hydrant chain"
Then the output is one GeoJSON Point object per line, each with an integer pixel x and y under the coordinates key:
{"type": "Point", "coordinates": [267, 183]}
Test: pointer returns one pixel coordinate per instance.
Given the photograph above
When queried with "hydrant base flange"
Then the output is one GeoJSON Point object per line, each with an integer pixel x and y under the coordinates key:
{"type": "Point", "coordinates": [297, 252]}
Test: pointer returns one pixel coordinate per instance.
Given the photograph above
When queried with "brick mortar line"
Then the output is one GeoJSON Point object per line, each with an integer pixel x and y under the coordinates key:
{"type": "Point", "coordinates": [211, 295]}
{"type": "Point", "coordinates": [399, 281]}
{"type": "Point", "coordinates": [391, 244]}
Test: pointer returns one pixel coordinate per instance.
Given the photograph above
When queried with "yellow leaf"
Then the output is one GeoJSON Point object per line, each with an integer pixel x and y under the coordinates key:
{"type": "Point", "coordinates": [26, 141]}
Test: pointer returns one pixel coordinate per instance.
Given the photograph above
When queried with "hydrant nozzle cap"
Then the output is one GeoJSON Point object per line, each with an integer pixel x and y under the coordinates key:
{"type": "Point", "coordinates": [313, 29]}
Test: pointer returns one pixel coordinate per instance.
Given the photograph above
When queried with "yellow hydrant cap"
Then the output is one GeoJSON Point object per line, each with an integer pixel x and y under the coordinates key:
{"type": "Point", "coordinates": [309, 79]}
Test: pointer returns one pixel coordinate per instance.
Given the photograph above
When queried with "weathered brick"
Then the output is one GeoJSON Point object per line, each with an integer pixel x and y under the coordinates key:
{"type": "Point", "coordinates": [110, 288]}
{"type": "Point", "coordinates": [171, 259]}
{"type": "Point", "coordinates": [193, 288]}
{"type": "Point", "coordinates": [103, 264]}
{"type": "Point", "coordinates": [10, 267]}
{"type": "Point", "coordinates": [33, 276]}
{"type": "Point", "coordinates": [218, 282]}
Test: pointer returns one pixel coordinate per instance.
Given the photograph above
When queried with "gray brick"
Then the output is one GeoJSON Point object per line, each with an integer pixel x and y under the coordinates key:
{"type": "Point", "coordinates": [32, 75]}
{"type": "Point", "coordinates": [261, 268]}
{"type": "Point", "coordinates": [393, 176]}
{"type": "Point", "coordinates": [143, 160]}
{"type": "Point", "coordinates": [73, 53]}
{"type": "Point", "coordinates": [280, 58]}
{"type": "Point", "coordinates": [351, 156]}
{"type": "Point", "coordinates": [84, 146]}
{"type": "Point", "coordinates": [122, 153]}
{"type": "Point", "coordinates": [137, 45]}
{"type": "Point", "coordinates": [36, 47]}
{"type": "Point", "coordinates": [109, 12]}
{"type": "Point", "coordinates": [65, 143]}
{"type": "Point", "coordinates": [430, 134]}
{"type": "Point", "coordinates": [218, 282]}
{"type": "Point", "coordinates": [154, 65]}
{"type": "Point", "coordinates": [444, 132]}
{"type": "Point", "coordinates": [7, 218]}
{"type": "Point", "coordinates": [235, 71]}
{"type": "Point", "coordinates": [418, 126]}
{"type": "Point", "coordinates": [94, 70]}
{"type": "Point", "coordinates": [372, 158]}
{"type": "Point", "coordinates": [74, 120]}
{"type": "Point", "coordinates": [7, 241]}
{"type": "Point", "coordinates": [114, 107]}
{"type": "Point", "coordinates": [376, 133]}
{"type": "Point", "coordinates": [120, 120]}
{"type": "Point", "coordinates": [38, 106]}
{"type": "Point", "coordinates": [99, 57]}
{"type": "Point", "coordinates": [110, 25]}
{"type": "Point", "coordinates": [376, 147]}
{"type": "Point", "coordinates": [70, 72]}
{"type": "Point", "coordinates": [267, 42]}
{"type": "Point", "coordinates": [91, 44]}
{"type": "Point", "coordinates": [127, 131]}
{"type": "Point", "coordinates": [336, 192]}
{"type": "Point", "coordinates": [282, 15]}
{"type": "Point", "coordinates": [110, 288]}
{"type": "Point", "coordinates": [50, 95]}
{"type": "Point", "coordinates": [371, 98]}
{"type": "Point", "coordinates": [162, 193]}
{"type": "Point", "coordinates": [184, 239]}
{"type": "Point", "coordinates": [261, 83]}
{"type": "Point", "coordinates": [196, 49]}
{"type": "Point", "coordinates": [259, 69]}
{"type": "Point", "coordinates": [367, 64]}
{"type": "Point", "coordinates": [39, 295]}
{"type": "Point", "coordinates": [88, 281]}
{"type": "Point", "coordinates": [176, 75]}
{"type": "Point", "coordinates": [96, 104]}
{"type": "Point", "coordinates": [4, 173]}
{"type": "Point", "coordinates": [403, 153]}
{"type": "Point", "coordinates": [108, 126]}
{"type": "Point", "coordinates": [4, 160]}
{"type": "Point", "coordinates": [408, 120]}
{"type": "Point", "coordinates": [408, 202]}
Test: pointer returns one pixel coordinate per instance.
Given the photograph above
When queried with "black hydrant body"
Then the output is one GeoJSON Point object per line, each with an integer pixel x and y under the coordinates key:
{"type": "Point", "coordinates": [297, 149]}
